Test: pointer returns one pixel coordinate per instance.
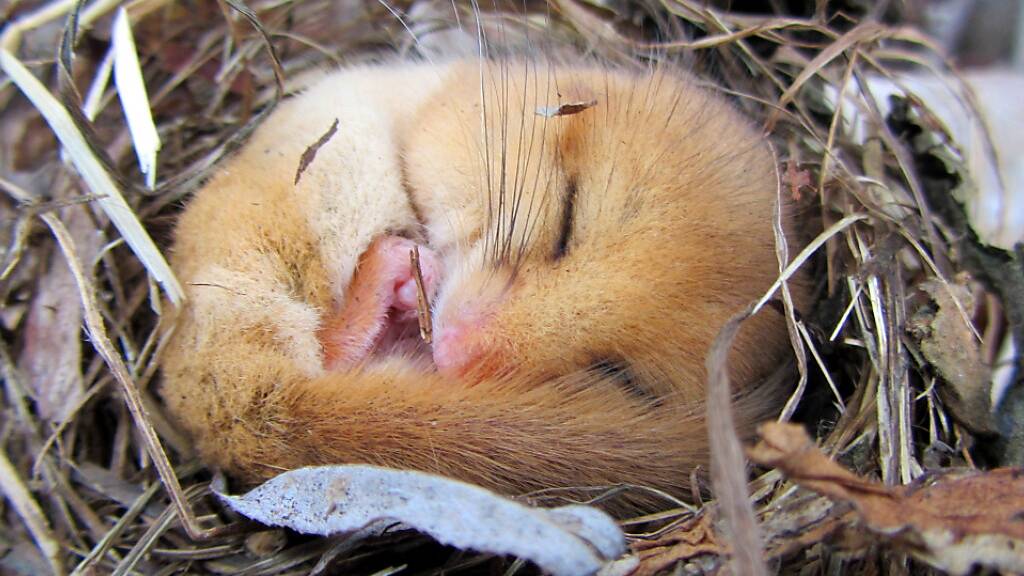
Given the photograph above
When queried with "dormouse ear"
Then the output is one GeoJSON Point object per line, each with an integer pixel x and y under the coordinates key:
{"type": "Point", "coordinates": [380, 309]}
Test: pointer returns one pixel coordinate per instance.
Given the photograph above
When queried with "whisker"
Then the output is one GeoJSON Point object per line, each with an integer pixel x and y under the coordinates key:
{"type": "Point", "coordinates": [401, 20]}
{"type": "Point", "coordinates": [536, 188]}
{"type": "Point", "coordinates": [458, 20]}
{"type": "Point", "coordinates": [516, 192]}
{"type": "Point", "coordinates": [524, 238]}
{"type": "Point", "coordinates": [503, 183]}
{"type": "Point", "coordinates": [482, 55]}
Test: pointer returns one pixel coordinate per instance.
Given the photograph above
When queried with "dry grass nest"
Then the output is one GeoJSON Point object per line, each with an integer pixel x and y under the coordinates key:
{"type": "Point", "coordinates": [915, 324]}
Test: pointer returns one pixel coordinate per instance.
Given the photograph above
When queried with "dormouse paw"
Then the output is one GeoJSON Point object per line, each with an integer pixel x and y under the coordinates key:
{"type": "Point", "coordinates": [378, 315]}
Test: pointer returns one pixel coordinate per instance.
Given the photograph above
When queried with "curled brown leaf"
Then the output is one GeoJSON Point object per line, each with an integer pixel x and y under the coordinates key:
{"type": "Point", "coordinates": [954, 521]}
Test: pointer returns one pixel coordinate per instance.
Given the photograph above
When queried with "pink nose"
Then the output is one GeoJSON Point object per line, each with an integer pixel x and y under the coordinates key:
{"type": "Point", "coordinates": [454, 353]}
{"type": "Point", "coordinates": [464, 343]}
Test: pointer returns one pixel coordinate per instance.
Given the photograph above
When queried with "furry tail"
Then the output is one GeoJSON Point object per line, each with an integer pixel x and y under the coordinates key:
{"type": "Point", "coordinates": [510, 435]}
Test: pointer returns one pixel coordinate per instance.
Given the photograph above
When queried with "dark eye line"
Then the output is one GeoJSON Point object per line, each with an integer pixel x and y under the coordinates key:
{"type": "Point", "coordinates": [568, 217]}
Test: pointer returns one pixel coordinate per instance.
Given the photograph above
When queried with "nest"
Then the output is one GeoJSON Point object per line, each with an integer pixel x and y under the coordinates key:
{"type": "Point", "coordinates": [916, 322]}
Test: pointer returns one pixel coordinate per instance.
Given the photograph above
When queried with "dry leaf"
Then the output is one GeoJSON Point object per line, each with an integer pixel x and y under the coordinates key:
{"type": "Point", "coordinates": [109, 484]}
{"type": "Point", "coordinates": [570, 540]}
{"type": "Point", "coordinates": [52, 356]}
{"type": "Point", "coordinates": [802, 520]}
{"type": "Point", "coordinates": [728, 469]}
{"type": "Point", "coordinates": [310, 153]}
{"type": "Point", "coordinates": [954, 522]}
{"type": "Point", "coordinates": [691, 539]}
{"type": "Point", "coordinates": [948, 342]}
{"type": "Point", "coordinates": [265, 543]}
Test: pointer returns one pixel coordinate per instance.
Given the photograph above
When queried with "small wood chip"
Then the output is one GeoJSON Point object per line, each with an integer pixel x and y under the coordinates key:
{"type": "Point", "coordinates": [310, 154]}
{"type": "Point", "coordinates": [565, 109]}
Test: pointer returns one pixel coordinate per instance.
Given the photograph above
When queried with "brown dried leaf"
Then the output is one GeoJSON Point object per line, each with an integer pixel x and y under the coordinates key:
{"type": "Point", "coordinates": [52, 356]}
{"type": "Point", "coordinates": [691, 539]}
{"type": "Point", "coordinates": [796, 524]}
{"type": "Point", "coordinates": [728, 469]}
{"type": "Point", "coordinates": [310, 154]}
{"type": "Point", "coordinates": [953, 522]}
{"type": "Point", "coordinates": [948, 342]}
{"type": "Point", "coordinates": [802, 520]}
{"type": "Point", "coordinates": [792, 525]}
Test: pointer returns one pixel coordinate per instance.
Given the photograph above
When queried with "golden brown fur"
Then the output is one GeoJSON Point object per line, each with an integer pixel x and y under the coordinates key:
{"type": "Point", "coordinates": [572, 347]}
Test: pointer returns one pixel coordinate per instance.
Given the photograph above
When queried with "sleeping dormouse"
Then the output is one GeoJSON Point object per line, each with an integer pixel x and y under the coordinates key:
{"type": "Point", "coordinates": [581, 231]}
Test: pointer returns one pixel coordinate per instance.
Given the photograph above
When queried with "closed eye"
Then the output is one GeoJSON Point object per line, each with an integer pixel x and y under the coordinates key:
{"type": "Point", "coordinates": [568, 217]}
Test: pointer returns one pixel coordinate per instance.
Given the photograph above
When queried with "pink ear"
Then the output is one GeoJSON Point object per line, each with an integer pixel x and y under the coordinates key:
{"type": "Point", "coordinates": [380, 303]}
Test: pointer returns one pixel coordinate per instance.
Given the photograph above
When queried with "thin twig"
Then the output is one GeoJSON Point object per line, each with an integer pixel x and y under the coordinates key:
{"type": "Point", "coordinates": [422, 303]}
{"type": "Point", "coordinates": [98, 335]}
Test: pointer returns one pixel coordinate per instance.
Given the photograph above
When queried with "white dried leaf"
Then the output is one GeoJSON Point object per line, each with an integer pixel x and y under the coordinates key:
{"type": "Point", "coordinates": [569, 541]}
{"type": "Point", "coordinates": [131, 89]}
{"type": "Point", "coordinates": [622, 567]}
{"type": "Point", "coordinates": [590, 524]}
{"type": "Point", "coordinates": [94, 97]}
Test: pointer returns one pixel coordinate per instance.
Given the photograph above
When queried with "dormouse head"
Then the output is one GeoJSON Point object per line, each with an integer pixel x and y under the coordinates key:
{"type": "Point", "coordinates": [588, 217]}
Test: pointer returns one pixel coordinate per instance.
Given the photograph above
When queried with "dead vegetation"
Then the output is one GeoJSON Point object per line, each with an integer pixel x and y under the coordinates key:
{"type": "Point", "coordinates": [917, 322]}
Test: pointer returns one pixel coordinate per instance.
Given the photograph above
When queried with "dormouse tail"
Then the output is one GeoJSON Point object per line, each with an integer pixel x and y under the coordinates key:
{"type": "Point", "coordinates": [512, 435]}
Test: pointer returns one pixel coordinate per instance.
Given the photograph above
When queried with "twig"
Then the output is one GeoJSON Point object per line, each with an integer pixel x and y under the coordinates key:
{"type": "Point", "coordinates": [98, 334]}
{"type": "Point", "coordinates": [156, 529]}
{"type": "Point", "coordinates": [422, 303]}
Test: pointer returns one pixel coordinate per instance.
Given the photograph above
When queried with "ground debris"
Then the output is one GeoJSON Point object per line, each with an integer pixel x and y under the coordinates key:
{"type": "Point", "coordinates": [686, 543]}
{"type": "Point", "coordinates": [954, 521]}
{"type": "Point", "coordinates": [949, 343]}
